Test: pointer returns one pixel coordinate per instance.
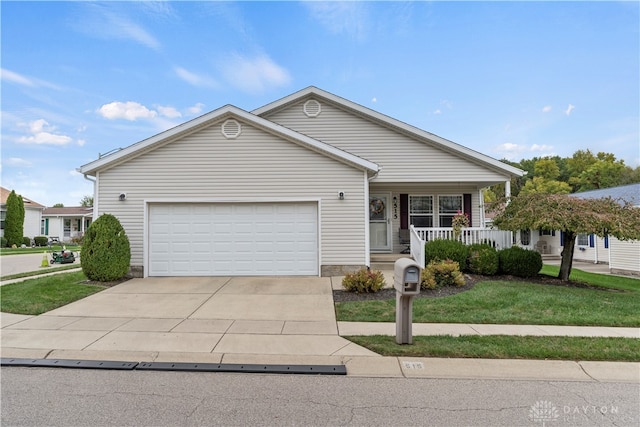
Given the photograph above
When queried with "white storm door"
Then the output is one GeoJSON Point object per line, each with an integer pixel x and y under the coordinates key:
{"type": "Point", "coordinates": [379, 222]}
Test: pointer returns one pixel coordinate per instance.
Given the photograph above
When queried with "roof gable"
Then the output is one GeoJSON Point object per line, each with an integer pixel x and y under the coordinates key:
{"type": "Point", "coordinates": [391, 123]}
{"type": "Point", "coordinates": [229, 111]}
{"type": "Point", "coordinates": [28, 203]}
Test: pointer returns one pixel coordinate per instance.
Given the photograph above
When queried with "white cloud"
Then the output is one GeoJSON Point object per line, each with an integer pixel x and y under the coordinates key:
{"type": "Point", "coordinates": [195, 109]}
{"type": "Point", "coordinates": [569, 109]}
{"type": "Point", "coordinates": [374, 100]}
{"type": "Point", "coordinates": [10, 76]}
{"type": "Point", "coordinates": [103, 22]}
{"type": "Point", "coordinates": [13, 77]}
{"type": "Point", "coordinates": [438, 111]}
{"type": "Point", "coordinates": [536, 147]}
{"type": "Point", "coordinates": [42, 134]}
{"type": "Point", "coordinates": [510, 151]}
{"type": "Point", "coordinates": [169, 112]}
{"type": "Point", "coordinates": [546, 108]}
{"type": "Point", "coordinates": [254, 74]}
{"type": "Point", "coordinates": [341, 17]}
{"type": "Point", "coordinates": [81, 142]}
{"type": "Point", "coordinates": [130, 110]}
{"type": "Point", "coordinates": [17, 161]}
{"type": "Point", "coordinates": [195, 79]}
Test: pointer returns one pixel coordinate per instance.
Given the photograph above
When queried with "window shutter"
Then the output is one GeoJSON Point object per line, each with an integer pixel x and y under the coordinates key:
{"type": "Point", "coordinates": [46, 226]}
{"type": "Point", "coordinates": [466, 206]}
{"type": "Point", "coordinates": [404, 211]}
{"type": "Point", "coordinates": [606, 242]}
{"type": "Point", "coordinates": [591, 241]}
{"type": "Point", "coordinates": [561, 238]}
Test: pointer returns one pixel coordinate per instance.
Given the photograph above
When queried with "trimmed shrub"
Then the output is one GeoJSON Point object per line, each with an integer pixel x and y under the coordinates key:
{"type": "Point", "coordinates": [3, 242]}
{"type": "Point", "coordinates": [441, 273]}
{"type": "Point", "coordinates": [41, 240]}
{"type": "Point", "coordinates": [26, 241]}
{"type": "Point", "coordinates": [106, 252]}
{"type": "Point", "coordinates": [440, 250]}
{"type": "Point", "coordinates": [364, 281]}
{"type": "Point", "coordinates": [520, 262]}
{"type": "Point", "coordinates": [482, 259]}
{"type": "Point", "coordinates": [14, 219]}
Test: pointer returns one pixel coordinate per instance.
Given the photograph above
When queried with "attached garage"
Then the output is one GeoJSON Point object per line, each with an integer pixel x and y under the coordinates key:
{"type": "Point", "coordinates": [233, 239]}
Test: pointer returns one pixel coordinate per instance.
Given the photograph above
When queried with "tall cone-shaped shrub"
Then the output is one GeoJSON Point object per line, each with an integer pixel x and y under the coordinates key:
{"type": "Point", "coordinates": [106, 253]}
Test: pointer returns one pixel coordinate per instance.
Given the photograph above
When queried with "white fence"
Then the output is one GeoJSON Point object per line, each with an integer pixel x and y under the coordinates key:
{"type": "Point", "coordinates": [499, 239]}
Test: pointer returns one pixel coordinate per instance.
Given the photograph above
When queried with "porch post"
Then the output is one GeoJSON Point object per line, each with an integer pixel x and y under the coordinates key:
{"type": "Point", "coordinates": [507, 190]}
{"type": "Point", "coordinates": [367, 239]}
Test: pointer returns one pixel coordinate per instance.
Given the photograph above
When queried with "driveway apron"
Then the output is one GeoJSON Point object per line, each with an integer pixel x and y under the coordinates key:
{"type": "Point", "coordinates": [217, 315]}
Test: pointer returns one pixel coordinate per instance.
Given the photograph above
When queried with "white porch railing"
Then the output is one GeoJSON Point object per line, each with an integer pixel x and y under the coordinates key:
{"type": "Point", "coordinates": [500, 239]}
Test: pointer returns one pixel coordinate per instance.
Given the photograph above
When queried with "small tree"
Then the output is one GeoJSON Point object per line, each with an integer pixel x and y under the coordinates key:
{"type": "Point", "coordinates": [106, 252]}
{"type": "Point", "coordinates": [87, 201]}
{"type": "Point", "coordinates": [58, 205]}
{"type": "Point", "coordinates": [572, 216]}
{"type": "Point", "coordinates": [14, 219]}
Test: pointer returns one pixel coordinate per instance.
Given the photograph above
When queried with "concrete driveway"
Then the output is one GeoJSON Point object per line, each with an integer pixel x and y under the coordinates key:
{"type": "Point", "coordinates": [178, 317]}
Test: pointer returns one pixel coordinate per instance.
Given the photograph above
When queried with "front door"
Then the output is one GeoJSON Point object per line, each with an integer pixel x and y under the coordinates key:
{"type": "Point", "coordinates": [379, 222]}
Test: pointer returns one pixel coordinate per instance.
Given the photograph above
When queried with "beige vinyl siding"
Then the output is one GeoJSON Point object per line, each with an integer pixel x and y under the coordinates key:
{"type": "Point", "coordinates": [32, 218]}
{"type": "Point", "coordinates": [625, 255]}
{"type": "Point", "coordinates": [207, 166]}
{"type": "Point", "coordinates": [434, 190]}
{"type": "Point", "coordinates": [403, 159]}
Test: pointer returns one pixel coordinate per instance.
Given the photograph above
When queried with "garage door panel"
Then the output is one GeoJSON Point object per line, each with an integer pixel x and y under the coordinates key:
{"type": "Point", "coordinates": [233, 239]}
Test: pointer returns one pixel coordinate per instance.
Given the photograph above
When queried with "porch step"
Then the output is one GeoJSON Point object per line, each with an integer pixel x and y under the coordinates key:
{"type": "Point", "coordinates": [385, 261]}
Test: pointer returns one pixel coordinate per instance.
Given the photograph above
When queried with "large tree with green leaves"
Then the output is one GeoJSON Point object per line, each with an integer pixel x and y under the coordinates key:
{"type": "Point", "coordinates": [572, 216]}
{"type": "Point", "coordinates": [14, 220]}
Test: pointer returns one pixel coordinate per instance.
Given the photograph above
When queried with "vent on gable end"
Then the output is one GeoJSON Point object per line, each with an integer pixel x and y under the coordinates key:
{"type": "Point", "coordinates": [231, 129]}
{"type": "Point", "coordinates": [312, 108]}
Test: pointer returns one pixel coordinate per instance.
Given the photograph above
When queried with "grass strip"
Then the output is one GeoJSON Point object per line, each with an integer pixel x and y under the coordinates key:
{"type": "Point", "coordinates": [506, 302]}
{"type": "Point", "coordinates": [38, 250]}
{"type": "Point", "coordinates": [594, 279]}
{"type": "Point", "coordinates": [41, 271]}
{"type": "Point", "coordinates": [37, 296]}
{"type": "Point", "coordinates": [507, 347]}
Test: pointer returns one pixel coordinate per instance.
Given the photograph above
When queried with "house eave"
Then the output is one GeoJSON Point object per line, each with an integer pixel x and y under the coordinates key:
{"type": "Point", "coordinates": [398, 125]}
{"type": "Point", "coordinates": [218, 114]}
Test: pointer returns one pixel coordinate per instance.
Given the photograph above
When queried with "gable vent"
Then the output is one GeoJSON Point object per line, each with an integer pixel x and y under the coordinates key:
{"type": "Point", "coordinates": [312, 108]}
{"type": "Point", "coordinates": [231, 129]}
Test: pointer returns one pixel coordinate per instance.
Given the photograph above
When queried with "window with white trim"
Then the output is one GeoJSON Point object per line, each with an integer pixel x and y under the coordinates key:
{"type": "Point", "coordinates": [583, 240]}
{"type": "Point", "coordinates": [448, 207]}
{"type": "Point", "coordinates": [525, 237]}
{"type": "Point", "coordinates": [421, 211]}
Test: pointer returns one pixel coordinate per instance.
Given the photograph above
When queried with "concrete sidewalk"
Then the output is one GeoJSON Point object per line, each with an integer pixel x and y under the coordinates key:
{"type": "Point", "coordinates": [265, 320]}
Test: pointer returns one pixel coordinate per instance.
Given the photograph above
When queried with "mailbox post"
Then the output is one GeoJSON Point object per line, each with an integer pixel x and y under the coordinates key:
{"type": "Point", "coordinates": [406, 280]}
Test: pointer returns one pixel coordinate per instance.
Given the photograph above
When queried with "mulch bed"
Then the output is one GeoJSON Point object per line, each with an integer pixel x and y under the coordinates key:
{"type": "Point", "coordinates": [470, 281]}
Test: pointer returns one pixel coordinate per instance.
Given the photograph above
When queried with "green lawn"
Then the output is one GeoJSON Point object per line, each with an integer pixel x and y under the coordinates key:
{"type": "Point", "coordinates": [37, 296]}
{"type": "Point", "coordinates": [507, 347]}
{"type": "Point", "coordinates": [37, 250]}
{"type": "Point", "coordinates": [594, 279]}
{"type": "Point", "coordinates": [515, 302]}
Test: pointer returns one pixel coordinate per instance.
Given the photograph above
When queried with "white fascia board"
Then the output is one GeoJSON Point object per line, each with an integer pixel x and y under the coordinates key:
{"type": "Point", "coordinates": [197, 123]}
{"type": "Point", "coordinates": [391, 122]}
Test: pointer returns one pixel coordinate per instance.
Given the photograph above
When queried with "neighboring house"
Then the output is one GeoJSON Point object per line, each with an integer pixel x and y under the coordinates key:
{"type": "Point", "coordinates": [622, 256]}
{"type": "Point", "coordinates": [66, 223]}
{"type": "Point", "coordinates": [310, 184]}
{"type": "Point", "coordinates": [32, 214]}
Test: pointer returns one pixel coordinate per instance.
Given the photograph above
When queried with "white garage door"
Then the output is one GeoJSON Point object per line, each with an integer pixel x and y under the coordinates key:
{"type": "Point", "coordinates": [233, 239]}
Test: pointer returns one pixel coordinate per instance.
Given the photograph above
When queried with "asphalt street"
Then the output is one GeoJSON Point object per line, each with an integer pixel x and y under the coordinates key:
{"type": "Point", "coordinates": [63, 397]}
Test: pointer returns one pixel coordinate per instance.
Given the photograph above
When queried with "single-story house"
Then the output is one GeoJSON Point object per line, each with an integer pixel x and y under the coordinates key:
{"type": "Point", "coordinates": [32, 214]}
{"type": "Point", "coordinates": [623, 256]}
{"type": "Point", "coordinates": [310, 184]}
{"type": "Point", "coordinates": [66, 223]}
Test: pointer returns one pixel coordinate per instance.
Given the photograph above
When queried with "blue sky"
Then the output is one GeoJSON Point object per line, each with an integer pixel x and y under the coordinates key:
{"type": "Point", "coordinates": [510, 80]}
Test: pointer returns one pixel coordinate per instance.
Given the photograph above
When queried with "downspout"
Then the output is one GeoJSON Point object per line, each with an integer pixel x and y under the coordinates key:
{"type": "Point", "coordinates": [367, 229]}
{"type": "Point", "coordinates": [595, 244]}
{"type": "Point", "coordinates": [95, 199]}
